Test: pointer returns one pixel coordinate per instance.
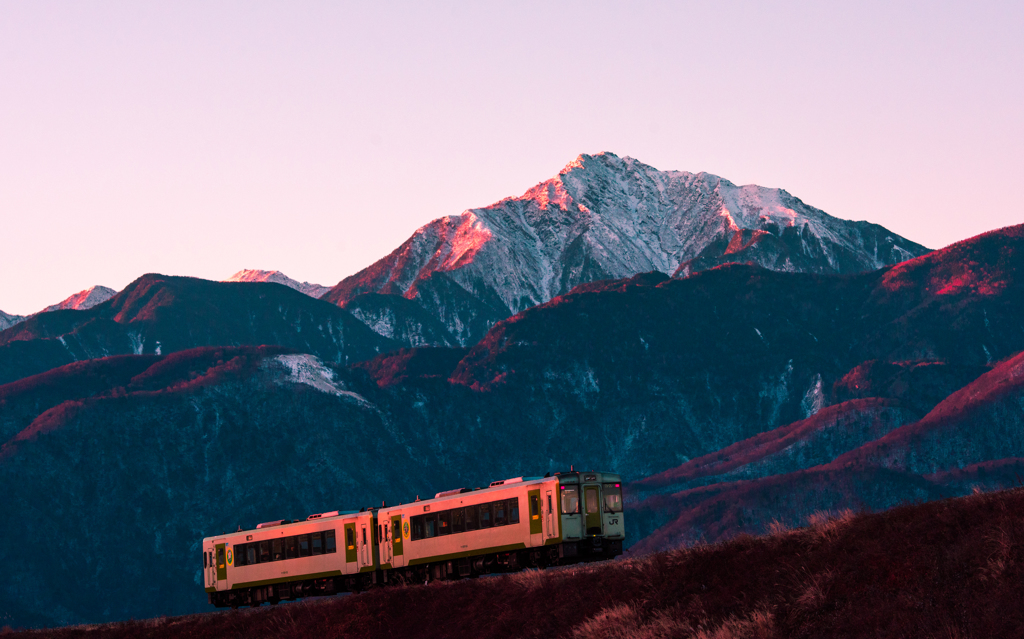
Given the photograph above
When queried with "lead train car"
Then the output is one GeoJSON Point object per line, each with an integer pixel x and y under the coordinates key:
{"type": "Point", "coordinates": [510, 525]}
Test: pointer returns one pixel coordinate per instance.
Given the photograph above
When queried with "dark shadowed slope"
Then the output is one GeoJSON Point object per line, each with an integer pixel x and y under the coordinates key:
{"type": "Point", "coordinates": [946, 569]}
{"type": "Point", "coordinates": [162, 314]}
{"type": "Point", "coordinates": [972, 438]}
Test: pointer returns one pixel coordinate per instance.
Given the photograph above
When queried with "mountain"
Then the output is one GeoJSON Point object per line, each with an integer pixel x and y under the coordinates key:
{"type": "Point", "coordinates": [252, 275]}
{"type": "Point", "coordinates": [161, 314]}
{"type": "Point", "coordinates": [83, 300]}
{"type": "Point", "coordinates": [604, 217]}
{"type": "Point", "coordinates": [7, 321]}
{"type": "Point", "coordinates": [116, 468]}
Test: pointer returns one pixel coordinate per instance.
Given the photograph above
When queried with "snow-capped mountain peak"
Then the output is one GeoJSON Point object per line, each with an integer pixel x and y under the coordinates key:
{"type": "Point", "coordinates": [602, 217]}
{"type": "Point", "coordinates": [256, 275]}
{"type": "Point", "coordinates": [83, 300]}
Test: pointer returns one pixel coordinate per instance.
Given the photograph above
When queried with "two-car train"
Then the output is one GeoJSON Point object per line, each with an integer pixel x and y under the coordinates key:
{"type": "Point", "coordinates": [510, 525]}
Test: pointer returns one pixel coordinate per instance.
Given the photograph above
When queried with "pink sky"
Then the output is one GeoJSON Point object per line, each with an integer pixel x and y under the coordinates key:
{"type": "Point", "coordinates": [200, 138]}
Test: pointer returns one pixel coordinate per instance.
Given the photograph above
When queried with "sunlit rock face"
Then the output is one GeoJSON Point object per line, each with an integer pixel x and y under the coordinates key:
{"type": "Point", "coordinates": [255, 275]}
{"type": "Point", "coordinates": [606, 217]}
{"type": "Point", "coordinates": [7, 320]}
{"type": "Point", "coordinates": [84, 300]}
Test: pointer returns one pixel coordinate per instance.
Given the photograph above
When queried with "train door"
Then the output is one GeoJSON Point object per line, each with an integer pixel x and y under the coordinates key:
{"type": "Point", "coordinates": [364, 546]}
{"type": "Point", "coordinates": [592, 508]}
{"type": "Point", "coordinates": [384, 531]}
{"type": "Point", "coordinates": [209, 567]}
{"type": "Point", "coordinates": [536, 523]}
{"type": "Point", "coordinates": [397, 553]}
{"type": "Point", "coordinates": [550, 514]}
{"type": "Point", "coordinates": [351, 552]}
{"type": "Point", "coordinates": [222, 565]}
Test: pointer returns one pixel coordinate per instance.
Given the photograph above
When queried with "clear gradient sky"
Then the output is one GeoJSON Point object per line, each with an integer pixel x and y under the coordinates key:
{"type": "Point", "coordinates": [200, 138]}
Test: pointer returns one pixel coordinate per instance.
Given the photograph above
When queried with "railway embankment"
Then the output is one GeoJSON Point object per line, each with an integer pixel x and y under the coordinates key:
{"type": "Point", "coordinates": [951, 568]}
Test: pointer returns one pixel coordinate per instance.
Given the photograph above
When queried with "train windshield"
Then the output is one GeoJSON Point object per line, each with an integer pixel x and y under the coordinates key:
{"type": "Point", "coordinates": [570, 500]}
{"type": "Point", "coordinates": [612, 498]}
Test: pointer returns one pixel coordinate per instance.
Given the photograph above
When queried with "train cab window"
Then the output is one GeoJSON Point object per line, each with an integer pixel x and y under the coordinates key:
{"type": "Point", "coordinates": [591, 499]}
{"type": "Point", "coordinates": [444, 522]}
{"type": "Point", "coordinates": [264, 551]}
{"type": "Point", "coordinates": [417, 527]}
{"type": "Point", "coordinates": [430, 526]}
{"type": "Point", "coordinates": [291, 547]}
{"type": "Point", "coordinates": [304, 546]}
{"type": "Point", "coordinates": [277, 550]}
{"type": "Point", "coordinates": [329, 545]}
{"type": "Point", "coordinates": [612, 498]}
{"type": "Point", "coordinates": [472, 518]}
{"type": "Point", "coordinates": [500, 517]}
{"type": "Point", "coordinates": [251, 556]}
{"type": "Point", "coordinates": [315, 542]}
{"type": "Point", "coordinates": [570, 500]}
{"type": "Point", "coordinates": [513, 510]}
{"type": "Point", "coordinates": [458, 520]}
{"type": "Point", "coordinates": [485, 516]}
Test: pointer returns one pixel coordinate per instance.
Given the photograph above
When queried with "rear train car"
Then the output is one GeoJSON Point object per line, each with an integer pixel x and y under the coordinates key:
{"type": "Point", "coordinates": [325, 554]}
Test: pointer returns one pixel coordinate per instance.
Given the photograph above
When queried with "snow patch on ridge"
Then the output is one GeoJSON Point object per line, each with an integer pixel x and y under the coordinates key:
{"type": "Point", "coordinates": [310, 371]}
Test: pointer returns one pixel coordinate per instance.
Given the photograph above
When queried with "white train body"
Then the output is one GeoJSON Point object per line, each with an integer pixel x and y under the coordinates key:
{"type": "Point", "coordinates": [510, 525]}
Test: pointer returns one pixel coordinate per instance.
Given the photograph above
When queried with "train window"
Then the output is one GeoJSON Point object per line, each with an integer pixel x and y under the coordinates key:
{"type": "Point", "coordinates": [513, 510]}
{"type": "Point", "coordinates": [206, 559]}
{"type": "Point", "coordinates": [220, 556]}
{"type": "Point", "coordinates": [277, 550]}
{"type": "Point", "coordinates": [239, 555]}
{"type": "Point", "coordinates": [430, 526]}
{"type": "Point", "coordinates": [304, 546]}
{"type": "Point", "coordinates": [291, 547]}
{"type": "Point", "coordinates": [264, 551]}
{"type": "Point", "coordinates": [315, 542]}
{"type": "Point", "coordinates": [386, 536]}
{"type": "Point", "coordinates": [251, 557]}
{"type": "Point", "coordinates": [444, 522]}
{"type": "Point", "coordinates": [591, 498]}
{"type": "Point", "coordinates": [417, 527]}
{"type": "Point", "coordinates": [612, 498]}
{"type": "Point", "coordinates": [350, 538]}
{"type": "Point", "coordinates": [535, 506]}
{"type": "Point", "coordinates": [458, 520]}
{"type": "Point", "coordinates": [499, 513]}
{"type": "Point", "coordinates": [570, 500]}
{"type": "Point", "coordinates": [472, 518]}
{"type": "Point", "coordinates": [329, 545]}
{"type": "Point", "coordinates": [550, 507]}
{"type": "Point", "coordinates": [364, 535]}
{"type": "Point", "coordinates": [485, 516]}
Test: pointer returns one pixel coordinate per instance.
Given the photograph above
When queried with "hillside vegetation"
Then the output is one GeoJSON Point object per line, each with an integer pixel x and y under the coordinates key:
{"type": "Point", "coordinates": [952, 568]}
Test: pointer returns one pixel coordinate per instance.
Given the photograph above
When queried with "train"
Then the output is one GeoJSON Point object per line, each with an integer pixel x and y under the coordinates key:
{"type": "Point", "coordinates": [512, 524]}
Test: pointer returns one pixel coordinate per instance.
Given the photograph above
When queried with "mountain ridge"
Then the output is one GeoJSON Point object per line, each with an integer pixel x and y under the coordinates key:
{"type": "Point", "coordinates": [605, 217]}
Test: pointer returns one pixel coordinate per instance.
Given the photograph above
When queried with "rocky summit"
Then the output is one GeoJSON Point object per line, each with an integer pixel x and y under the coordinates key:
{"type": "Point", "coordinates": [601, 217]}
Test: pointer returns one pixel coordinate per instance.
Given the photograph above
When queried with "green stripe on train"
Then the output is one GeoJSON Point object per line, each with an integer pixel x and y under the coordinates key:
{"type": "Point", "coordinates": [281, 580]}
{"type": "Point", "coordinates": [467, 553]}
